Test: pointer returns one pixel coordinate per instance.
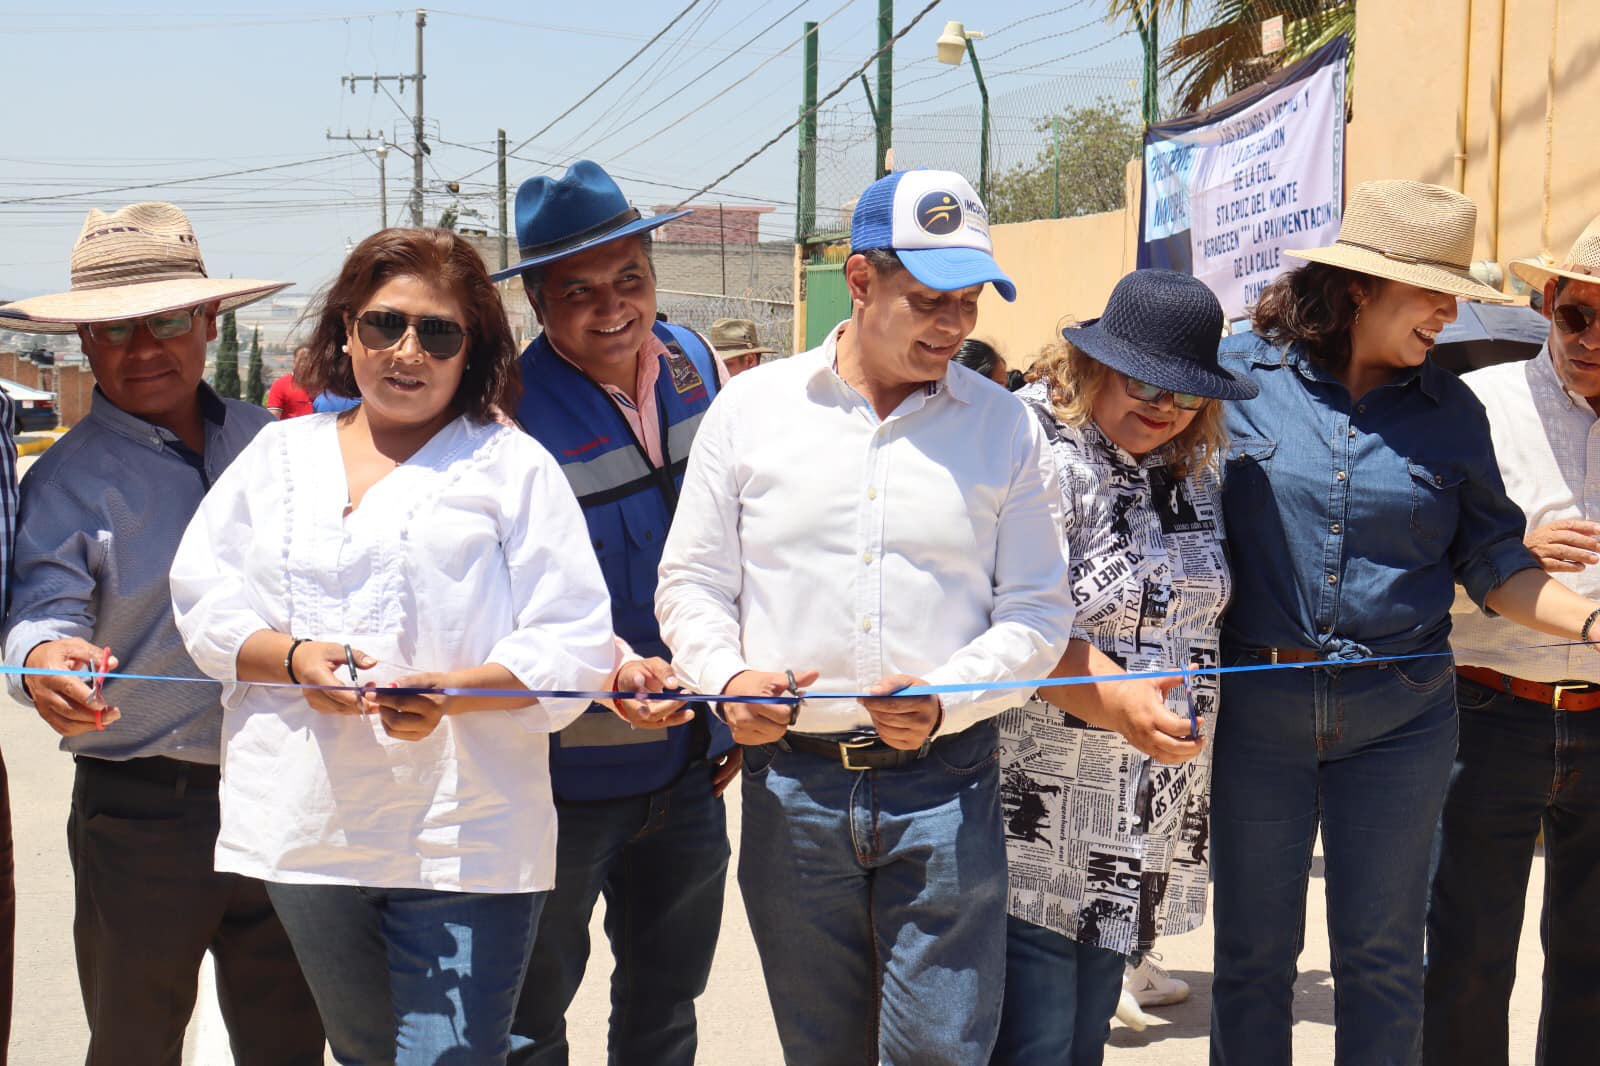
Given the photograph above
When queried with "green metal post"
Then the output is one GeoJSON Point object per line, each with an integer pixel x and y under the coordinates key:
{"type": "Point", "coordinates": [1055, 186]}
{"type": "Point", "coordinates": [805, 223]}
{"type": "Point", "coordinates": [1149, 35]}
{"type": "Point", "coordinates": [983, 126]}
{"type": "Point", "coordinates": [884, 113]}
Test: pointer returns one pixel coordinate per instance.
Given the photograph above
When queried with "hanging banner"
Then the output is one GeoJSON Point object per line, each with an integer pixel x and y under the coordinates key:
{"type": "Point", "coordinates": [1228, 189]}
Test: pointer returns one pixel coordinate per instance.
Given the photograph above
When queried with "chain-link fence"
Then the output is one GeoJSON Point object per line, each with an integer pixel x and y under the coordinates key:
{"type": "Point", "coordinates": [1059, 139]}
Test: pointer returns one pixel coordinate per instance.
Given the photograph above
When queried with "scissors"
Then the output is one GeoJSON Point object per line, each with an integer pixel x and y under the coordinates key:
{"type": "Point", "coordinates": [102, 663]}
{"type": "Point", "coordinates": [793, 690]}
{"type": "Point", "coordinates": [1188, 699]}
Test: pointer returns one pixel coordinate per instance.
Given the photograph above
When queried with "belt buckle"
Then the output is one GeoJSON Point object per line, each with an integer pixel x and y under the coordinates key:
{"type": "Point", "coordinates": [1272, 656]}
{"type": "Point", "coordinates": [847, 746]}
{"type": "Point", "coordinates": [1563, 687]}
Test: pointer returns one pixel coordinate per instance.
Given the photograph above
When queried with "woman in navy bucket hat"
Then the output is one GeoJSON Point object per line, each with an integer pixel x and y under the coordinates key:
{"type": "Point", "coordinates": [1132, 408]}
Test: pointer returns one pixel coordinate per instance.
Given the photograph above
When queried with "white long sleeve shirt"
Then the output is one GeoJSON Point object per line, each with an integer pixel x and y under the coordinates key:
{"type": "Point", "coordinates": [1547, 443]}
{"type": "Point", "coordinates": [472, 551]}
{"type": "Point", "coordinates": [812, 535]}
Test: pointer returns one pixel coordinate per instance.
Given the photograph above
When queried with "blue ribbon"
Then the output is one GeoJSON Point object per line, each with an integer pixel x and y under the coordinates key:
{"type": "Point", "coordinates": [1340, 661]}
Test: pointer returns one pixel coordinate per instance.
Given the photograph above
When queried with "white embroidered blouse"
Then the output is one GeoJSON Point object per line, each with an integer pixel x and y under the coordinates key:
{"type": "Point", "coordinates": [1104, 845]}
{"type": "Point", "coordinates": [472, 551]}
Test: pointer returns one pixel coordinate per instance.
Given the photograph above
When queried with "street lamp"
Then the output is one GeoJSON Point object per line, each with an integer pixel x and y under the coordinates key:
{"type": "Point", "coordinates": [954, 42]}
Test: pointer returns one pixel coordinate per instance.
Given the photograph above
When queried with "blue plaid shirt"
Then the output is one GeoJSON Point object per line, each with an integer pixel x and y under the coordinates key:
{"type": "Point", "coordinates": [1351, 521]}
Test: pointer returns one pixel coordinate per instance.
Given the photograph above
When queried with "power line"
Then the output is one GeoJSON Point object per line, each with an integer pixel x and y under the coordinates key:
{"type": "Point", "coordinates": [841, 87]}
{"type": "Point", "coordinates": [608, 79]}
{"type": "Point", "coordinates": [175, 181]}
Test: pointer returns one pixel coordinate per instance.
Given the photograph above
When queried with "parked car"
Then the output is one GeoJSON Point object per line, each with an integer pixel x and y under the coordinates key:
{"type": "Point", "coordinates": [35, 409]}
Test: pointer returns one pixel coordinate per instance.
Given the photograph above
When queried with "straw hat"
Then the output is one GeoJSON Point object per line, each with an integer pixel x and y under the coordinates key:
{"type": "Point", "coordinates": [1408, 231]}
{"type": "Point", "coordinates": [733, 337]}
{"type": "Point", "coordinates": [141, 260]}
{"type": "Point", "coordinates": [1582, 262]}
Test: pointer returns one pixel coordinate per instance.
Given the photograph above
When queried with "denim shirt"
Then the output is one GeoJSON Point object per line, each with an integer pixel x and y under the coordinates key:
{"type": "Point", "coordinates": [1351, 521]}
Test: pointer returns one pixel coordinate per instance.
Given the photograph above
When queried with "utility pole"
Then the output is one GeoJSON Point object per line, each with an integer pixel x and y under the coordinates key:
{"type": "Point", "coordinates": [885, 110]}
{"type": "Point", "coordinates": [806, 217]}
{"type": "Point", "coordinates": [382, 152]}
{"type": "Point", "coordinates": [419, 145]}
{"type": "Point", "coordinates": [501, 154]}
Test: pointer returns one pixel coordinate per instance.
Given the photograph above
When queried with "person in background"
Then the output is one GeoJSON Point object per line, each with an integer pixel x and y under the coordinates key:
{"type": "Point", "coordinates": [101, 516]}
{"type": "Point", "coordinates": [327, 403]}
{"type": "Point", "coordinates": [1115, 777]}
{"type": "Point", "coordinates": [1360, 487]}
{"type": "Point", "coordinates": [980, 357]}
{"type": "Point", "coordinates": [405, 831]}
{"type": "Point", "coordinates": [618, 396]}
{"type": "Point", "coordinates": [1529, 754]}
{"type": "Point", "coordinates": [737, 344]}
{"type": "Point", "coordinates": [286, 399]}
{"type": "Point", "coordinates": [867, 517]}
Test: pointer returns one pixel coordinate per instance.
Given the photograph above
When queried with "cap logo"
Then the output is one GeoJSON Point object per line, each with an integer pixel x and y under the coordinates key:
{"type": "Point", "coordinates": [939, 213]}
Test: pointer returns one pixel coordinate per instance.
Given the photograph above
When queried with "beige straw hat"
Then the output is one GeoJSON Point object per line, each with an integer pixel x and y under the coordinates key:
{"type": "Point", "coordinates": [737, 336]}
{"type": "Point", "coordinates": [141, 260]}
{"type": "Point", "coordinates": [1408, 231]}
{"type": "Point", "coordinates": [1582, 262]}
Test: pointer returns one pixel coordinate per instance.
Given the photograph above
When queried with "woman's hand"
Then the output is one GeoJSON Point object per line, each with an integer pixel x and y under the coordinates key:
{"type": "Point", "coordinates": [322, 662]}
{"type": "Point", "coordinates": [411, 715]}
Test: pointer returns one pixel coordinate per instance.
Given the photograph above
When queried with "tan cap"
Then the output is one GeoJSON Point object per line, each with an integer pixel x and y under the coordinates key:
{"type": "Point", "coordinates": [736, 336]}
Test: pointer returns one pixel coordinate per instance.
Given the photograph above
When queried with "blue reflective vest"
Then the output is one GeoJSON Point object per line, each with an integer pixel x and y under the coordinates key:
{"type": "Point", "coordinates": [628, 504]}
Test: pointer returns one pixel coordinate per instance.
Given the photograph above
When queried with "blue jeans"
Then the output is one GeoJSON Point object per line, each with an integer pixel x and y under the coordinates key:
{"type": "Point", "coordinates": [1365, 753]}
{"type": "Point", "coordinates": [661, 860]}
{"type": "Point", "coordinates": [1520, 765]}
{"type": "Point", "coordinates": [877, 899]}
{"type": "Point", "coordinates": [1060, 998]}
{"type": "Point", "coordinates": [411, 976]}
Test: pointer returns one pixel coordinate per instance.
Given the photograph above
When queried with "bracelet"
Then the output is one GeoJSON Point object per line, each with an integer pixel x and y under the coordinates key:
{"type": "Point", "coordinates": [288, 660]}
{"type": "Point", "coordinates": [1588, 623]}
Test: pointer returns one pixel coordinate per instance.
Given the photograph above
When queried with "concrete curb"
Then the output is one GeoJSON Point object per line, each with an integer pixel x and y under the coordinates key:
{"type": "Point", "coordinates": [33, 445]}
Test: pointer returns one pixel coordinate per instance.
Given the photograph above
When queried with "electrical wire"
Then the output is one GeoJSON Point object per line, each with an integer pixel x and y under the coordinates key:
{"type": "Point", "coordinates": [606, 81]}
{"type": "Point", "coordinates": [808, 112]}
{"type": "Point", "coordinates": [175, 181]}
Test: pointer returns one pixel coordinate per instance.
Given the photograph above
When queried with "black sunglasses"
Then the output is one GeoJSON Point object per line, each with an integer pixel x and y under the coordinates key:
{"type": "Point", "coordinates": [439, 337]}
{"type": "Point", "coordinates": [1573, 318]}
{"type": "Point", "coordinates": [1147, 393]}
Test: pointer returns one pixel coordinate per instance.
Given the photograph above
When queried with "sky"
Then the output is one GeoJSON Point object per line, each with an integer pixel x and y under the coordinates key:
{"type": "Point", "coordinates": [108, 106]}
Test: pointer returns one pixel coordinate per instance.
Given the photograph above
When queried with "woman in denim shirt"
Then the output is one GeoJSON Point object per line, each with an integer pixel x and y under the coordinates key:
{"type": "Point", "coordinates": [1360, 486]}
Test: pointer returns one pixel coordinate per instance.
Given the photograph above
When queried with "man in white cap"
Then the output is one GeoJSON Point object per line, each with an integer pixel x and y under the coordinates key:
{"type": "Point", "coordinates": [1528, 757]}
{"type": "Point", "coordinates": [865, 517]}
{"type": "Point", "coordinates": [101, 516]}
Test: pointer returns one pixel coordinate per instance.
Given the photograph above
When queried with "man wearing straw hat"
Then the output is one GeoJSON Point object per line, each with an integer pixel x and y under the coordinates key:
{"type": "Point", "coordinates": [1529, 752]}
{"type": "Point", "coordinates": [102, 513]}
{"type": "Point", "coordinates": [617, 397]}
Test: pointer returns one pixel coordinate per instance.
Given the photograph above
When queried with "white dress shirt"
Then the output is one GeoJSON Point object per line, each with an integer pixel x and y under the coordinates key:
{"type": "Point", "coordinates": [472, 551]}
{"type": "Point", "coordinates": [1547, 442]}
{"type": "Point", "coordinates": [812, 535]}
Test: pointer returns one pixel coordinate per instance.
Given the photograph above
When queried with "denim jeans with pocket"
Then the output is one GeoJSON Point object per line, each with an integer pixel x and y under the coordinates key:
{"type": "Point", "coordinates": [409, 976]}
{"type": "Point", "coordinates": [877, 899]}
{"type": "Point", "coordinates": [1520, 766]}
{"type": "Point", "coordinates": [1060, 998]}
{"type": "Point", "coordinates": [1364, 754]}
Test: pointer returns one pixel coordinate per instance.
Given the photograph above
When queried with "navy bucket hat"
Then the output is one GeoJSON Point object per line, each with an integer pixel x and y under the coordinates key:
{"type": "Point", "coordinates": [583, 210]}
{"type": "Point", "coordinates": [1163, 328]}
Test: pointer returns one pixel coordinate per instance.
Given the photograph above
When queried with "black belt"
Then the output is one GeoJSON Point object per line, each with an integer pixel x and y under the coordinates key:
{"type": "Point", "coordinates": [157, 769]}
{"type": "Point", "coordinates": [865, 752]}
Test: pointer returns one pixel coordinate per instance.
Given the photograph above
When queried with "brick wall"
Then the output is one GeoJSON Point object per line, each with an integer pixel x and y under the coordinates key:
{"type": "Point", "coordinates": [764, 270]}
{"type": "Point", "coordinates": [713, 224]}
{"type": "Point", "coordinates": [73, 385]}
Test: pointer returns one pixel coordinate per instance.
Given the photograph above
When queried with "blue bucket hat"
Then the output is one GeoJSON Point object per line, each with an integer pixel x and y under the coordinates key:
{"type": "Point", "coordinates": [1163, 328]}
{"type": "Point", "coordinates": [583, 210]}
{"type": "Point", "coordinates": [937, 226]}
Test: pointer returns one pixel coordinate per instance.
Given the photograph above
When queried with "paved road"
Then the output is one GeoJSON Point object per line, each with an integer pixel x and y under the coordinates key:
{"type": "Point", "coordinates": [736, 1025]}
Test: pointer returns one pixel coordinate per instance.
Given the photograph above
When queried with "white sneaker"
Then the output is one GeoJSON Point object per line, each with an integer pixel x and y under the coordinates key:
{"type": "Point", "coordinates": [1152, 986]}
{"type": "Point", "coordinates": [1128, 1012]}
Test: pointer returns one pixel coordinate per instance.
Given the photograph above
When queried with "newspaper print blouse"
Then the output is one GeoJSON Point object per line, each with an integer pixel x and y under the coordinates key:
{"type": "Point", "coordinates": [1104, 845]}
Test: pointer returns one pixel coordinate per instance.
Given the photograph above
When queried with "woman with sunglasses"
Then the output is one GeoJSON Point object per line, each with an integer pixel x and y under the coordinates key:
{"type": "Point", "coordinates": [1105, 786]}
{"type": "Point", "coordinates": [402, 551]}
{"type": "Point", "coordinates": [1359, 488]}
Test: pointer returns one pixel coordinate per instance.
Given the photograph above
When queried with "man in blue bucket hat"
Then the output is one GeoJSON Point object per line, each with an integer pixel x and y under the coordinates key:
{"type": "Point", "coordinates": [862, 518]}
{"type": "Point", "coordinates": [616, 397]}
